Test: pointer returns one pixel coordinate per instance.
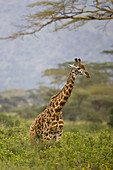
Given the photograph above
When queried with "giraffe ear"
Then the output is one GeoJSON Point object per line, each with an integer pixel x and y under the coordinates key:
{"type": "Point", "coordinates": [79, 60]}
{"type": "Point", "coordinates": [76, 60]}
{"type": "Point", "coordinates": [72, 66]}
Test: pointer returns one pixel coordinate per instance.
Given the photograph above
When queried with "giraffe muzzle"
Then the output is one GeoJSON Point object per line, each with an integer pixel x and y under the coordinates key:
{"type": "Point", "coordinates": [87, 74]}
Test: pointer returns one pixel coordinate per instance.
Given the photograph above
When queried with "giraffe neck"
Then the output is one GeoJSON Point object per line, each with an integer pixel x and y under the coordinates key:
{"type": "Point", "coordinates": [58, 101]}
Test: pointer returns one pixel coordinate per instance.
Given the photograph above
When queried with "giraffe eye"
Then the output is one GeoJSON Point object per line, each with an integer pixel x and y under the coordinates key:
{"type": "Point", "coordinates": [78, 68]}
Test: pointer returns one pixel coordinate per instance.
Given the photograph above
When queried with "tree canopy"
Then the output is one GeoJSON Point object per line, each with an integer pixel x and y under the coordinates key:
{"type": "Point", "coordinates": [101, 73]}
{"type": "Point", "coordinates": [64, 14]}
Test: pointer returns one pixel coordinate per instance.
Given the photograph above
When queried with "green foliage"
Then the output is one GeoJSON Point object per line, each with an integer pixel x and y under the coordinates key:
{"type": "Point", "coordinates": [101, 97]}
{"type": "Point", "coordinates": [108, 51]}
{"type": "Point", "coordinates": [9, 120]}
{"type": "Point", "coordinates": [78, 150]}
{"type": "Point", "coordinates": [101, 73]}
{"type": "Point", "coordinates": [110, 112]}
{"type": "Point", "coordinates": [40, 109]}
{"type": "Point", "coordinates": [57, 76]}
{"type": "Point", "coordinates": [29, 112]}
{"type": "Point", "coordinates": [83, 126]}
{"type": "Point", "coordinates": [24, 112]}
{"type": "Point", "coordinates": [104, 90]}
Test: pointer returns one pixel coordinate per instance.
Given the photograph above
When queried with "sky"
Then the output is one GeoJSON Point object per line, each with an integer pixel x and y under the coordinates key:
{"type": "Point", "coordinates": [22, 62]}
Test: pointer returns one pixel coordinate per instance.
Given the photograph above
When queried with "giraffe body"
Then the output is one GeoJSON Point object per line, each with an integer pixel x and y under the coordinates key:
{"type": "Point", "coordinates": [49, 124]}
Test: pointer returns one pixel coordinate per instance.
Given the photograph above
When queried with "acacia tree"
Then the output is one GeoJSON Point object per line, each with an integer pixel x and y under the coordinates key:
{"type": "Point", "coordinates": [101, 73]}
{"type": "Point", "coordinates": [108, 51]}
{"type": "Point", "coordinates": [64, 13]}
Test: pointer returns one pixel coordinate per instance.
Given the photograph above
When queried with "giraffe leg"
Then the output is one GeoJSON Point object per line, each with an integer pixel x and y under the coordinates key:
{"type": "Point", "coordinates": [59, 136]}
{"type": "Point", "coordinates": [60, 131]}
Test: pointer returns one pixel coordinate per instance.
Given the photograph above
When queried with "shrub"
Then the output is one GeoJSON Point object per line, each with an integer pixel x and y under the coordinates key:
{"type": "Point", "coordinates": [29, 112]}
{"type": "Point", "coordinates": [9, 120]}
{"type": "Point", "coordinates": [110, 112]}
{"type": "Point", "coordinates": [78, 150]}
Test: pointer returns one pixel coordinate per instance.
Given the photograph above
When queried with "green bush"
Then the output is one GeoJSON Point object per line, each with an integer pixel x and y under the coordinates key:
{"type": "Point", "coordinates": [83, 127]}
{"type": "Point", "coordinates": [9, 120]}
{"type": "Point", "coordinates": [110, 112]}
{"type": "Point", "coordinates": [78, 150]}
{"type": "Point", "coordinates": [29, 112]}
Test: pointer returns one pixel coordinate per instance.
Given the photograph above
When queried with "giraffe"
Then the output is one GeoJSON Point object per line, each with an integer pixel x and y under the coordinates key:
{"type": "Point", "coordinates": [49, 124]}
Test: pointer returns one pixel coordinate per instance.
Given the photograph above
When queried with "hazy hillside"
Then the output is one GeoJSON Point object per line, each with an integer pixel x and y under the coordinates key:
{"type": "Point", "coordinates": [13, 92]}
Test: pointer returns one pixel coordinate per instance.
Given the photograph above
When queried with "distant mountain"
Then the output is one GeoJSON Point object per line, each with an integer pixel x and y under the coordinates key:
{"type": "Point", "coordinates": [23, 61]}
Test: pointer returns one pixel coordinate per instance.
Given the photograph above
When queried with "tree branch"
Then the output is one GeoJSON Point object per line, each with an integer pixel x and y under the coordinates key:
{"type": "Point", "coordinates": [70, 12]}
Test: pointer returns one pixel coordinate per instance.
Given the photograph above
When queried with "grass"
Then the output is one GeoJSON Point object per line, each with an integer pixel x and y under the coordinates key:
{"type": "Point", "coordinates": [83, 146]}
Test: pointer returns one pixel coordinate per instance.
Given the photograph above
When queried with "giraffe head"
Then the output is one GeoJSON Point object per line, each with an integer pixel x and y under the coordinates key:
{"type": "Point", "coordinates": [80, 68]}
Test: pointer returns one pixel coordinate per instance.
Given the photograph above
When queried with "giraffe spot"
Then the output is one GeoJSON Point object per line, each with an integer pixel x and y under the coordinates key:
{"type": "Point", "coordinates": [45, 125]}
{"type": "Point", "coordinates": [53, 117]}
{"type": "Point", "coordinates": [60, 134]}
{"type": "Point", "coordinates": [71, 85]}
{"type": "Point", "coordinates": [53, 105]}
{"type": "Point", "coordinates": [57, 103]}
{"type": "Point", "coordinates": [65, 97]}
{"type": "Point", "coordinates": [61, 125]}
{"type": "Point", "coordinates": [53, 128]}
{"type": "Point", "coordinates": [61, 121]}
{"type": "Point", "coordinates": [67, 93]}
{"type": "Point", "coordinates": [54, 123]}
{"type": "Point", "coordinates": [57, 118]}
{"type": "Point", "coordinates": [57, 109]}
{"type": "Point", "coordinates": [61, 96]}
{"type": "Point", "coordinates": [62, 103]}
{"type": "Point", "coordinates": [72, 81]}
{"type": "Point", "coordinates": [59, 100]}
{"type": "Point", "coordinates": [50, 103]}
{"type": "Point", "coordinates": [42, 119]}
{"type": "Point", "coordinates": [73, 77]}
{"type": "Point", "coordinates": [47, 138]}
{"type": "Point", "coordinates": [32, 128]}
{"type": "Point", "coordinates": [51, 109]}
{"type": "Point", "coordinates": [47, 130]}
{"type": "Point", "coordinates": [38, 136]}
{"type": "Point", "coordinates": [64, 90]}
{"type": "Point", "coordinates": [61, 116]}
{"type": "Point", "coordinates": [66, 87]}
{"type": "Point", "coordinates": [52, 132]}
{"type": "Point", "coordinates": [36, 121]}
{"type": "Point", "coordinates": [48, 122]}
{"type": "Point", "coordinates": [69, 90]}
{"type": "Point", "coordinates": [49, 113]}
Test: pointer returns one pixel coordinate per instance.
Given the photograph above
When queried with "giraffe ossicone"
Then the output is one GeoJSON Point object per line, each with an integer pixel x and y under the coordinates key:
{"type": "Point", "coordinates": [49, 124]}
